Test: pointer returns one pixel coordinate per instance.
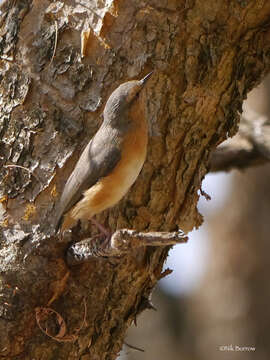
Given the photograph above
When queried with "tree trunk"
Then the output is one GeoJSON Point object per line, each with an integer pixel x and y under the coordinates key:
{"type": "Point", "coordinates": [59, 63]}
{"type": "Point", "coordinates": [231, 304]}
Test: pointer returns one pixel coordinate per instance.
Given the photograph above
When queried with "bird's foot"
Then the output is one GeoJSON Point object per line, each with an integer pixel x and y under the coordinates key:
{"type": "Point", "coordinates": [101, 228]}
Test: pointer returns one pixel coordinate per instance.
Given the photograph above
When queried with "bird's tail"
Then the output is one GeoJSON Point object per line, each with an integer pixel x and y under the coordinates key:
{"type": "Point", "coordinates": [58, 220]}
{"type": "Point", "coordinates": [64, 222]}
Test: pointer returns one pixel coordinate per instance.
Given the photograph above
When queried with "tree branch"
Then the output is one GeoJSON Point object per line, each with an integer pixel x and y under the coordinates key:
{"type": "Point", "coordinates": [123, 241]}
{"type": "Point", "coordinates": [250, 147]}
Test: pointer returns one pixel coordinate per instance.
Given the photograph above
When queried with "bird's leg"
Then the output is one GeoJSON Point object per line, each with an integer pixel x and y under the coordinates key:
{"type": "Point", "coordinates": [102, 229]}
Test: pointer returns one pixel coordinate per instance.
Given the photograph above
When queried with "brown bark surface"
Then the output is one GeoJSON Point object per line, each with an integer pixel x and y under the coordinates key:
{"type": "Point", "coordinates": [59, 63]}
{"type": "Point", "coordinates": [229, 312]}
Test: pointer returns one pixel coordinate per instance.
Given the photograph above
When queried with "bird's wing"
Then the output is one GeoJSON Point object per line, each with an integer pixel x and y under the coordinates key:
{"type": "Point", "coordinates": [98, 159]}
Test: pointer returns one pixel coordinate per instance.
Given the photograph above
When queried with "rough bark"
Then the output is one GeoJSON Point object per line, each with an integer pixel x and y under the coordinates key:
{"type": "Point", "coordinates": [251, 145]}
{"type": "Point", "coordinates": [59, 63]}
{"type": "Point", "coordinates": [231, 303]}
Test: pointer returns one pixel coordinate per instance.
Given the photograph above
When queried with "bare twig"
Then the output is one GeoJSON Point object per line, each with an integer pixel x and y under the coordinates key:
{"type": "Point", "coordinates": [122, 242]}
{"type": "Point", "coordinates": [22, 167]}
{"type": "Point", "coordinates": [133, 347]}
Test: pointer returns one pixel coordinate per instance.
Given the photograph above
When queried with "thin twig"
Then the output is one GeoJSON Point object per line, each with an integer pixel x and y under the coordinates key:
{"type": "Point", "coordinates": [24, 168]}
{"type": "Point", "coordinates": [134, 347]}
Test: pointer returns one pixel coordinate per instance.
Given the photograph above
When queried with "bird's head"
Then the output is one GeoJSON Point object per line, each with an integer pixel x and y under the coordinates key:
{"type": "Point", "coordinates": [123, 97]}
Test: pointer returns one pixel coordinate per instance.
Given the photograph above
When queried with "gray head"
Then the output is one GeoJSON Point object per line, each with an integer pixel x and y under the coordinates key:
{"type": "Point", "coordinates": [123, 96]}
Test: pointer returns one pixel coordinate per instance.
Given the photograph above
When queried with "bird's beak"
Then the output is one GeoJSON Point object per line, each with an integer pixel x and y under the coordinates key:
{"type": "Point", "coordinates": [144, 80]}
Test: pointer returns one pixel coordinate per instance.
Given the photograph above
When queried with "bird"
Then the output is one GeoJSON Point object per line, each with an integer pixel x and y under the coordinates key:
{"type": "Point", "coordinates": [111, 161]}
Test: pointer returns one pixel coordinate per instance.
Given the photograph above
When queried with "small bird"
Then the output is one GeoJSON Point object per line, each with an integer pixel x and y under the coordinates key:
{"type": "Point", "coordinates": [112, 160]}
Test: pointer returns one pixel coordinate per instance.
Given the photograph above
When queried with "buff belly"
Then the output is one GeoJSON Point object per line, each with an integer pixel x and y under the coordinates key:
{"type": "Point", "coordinates": [109, 190]}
